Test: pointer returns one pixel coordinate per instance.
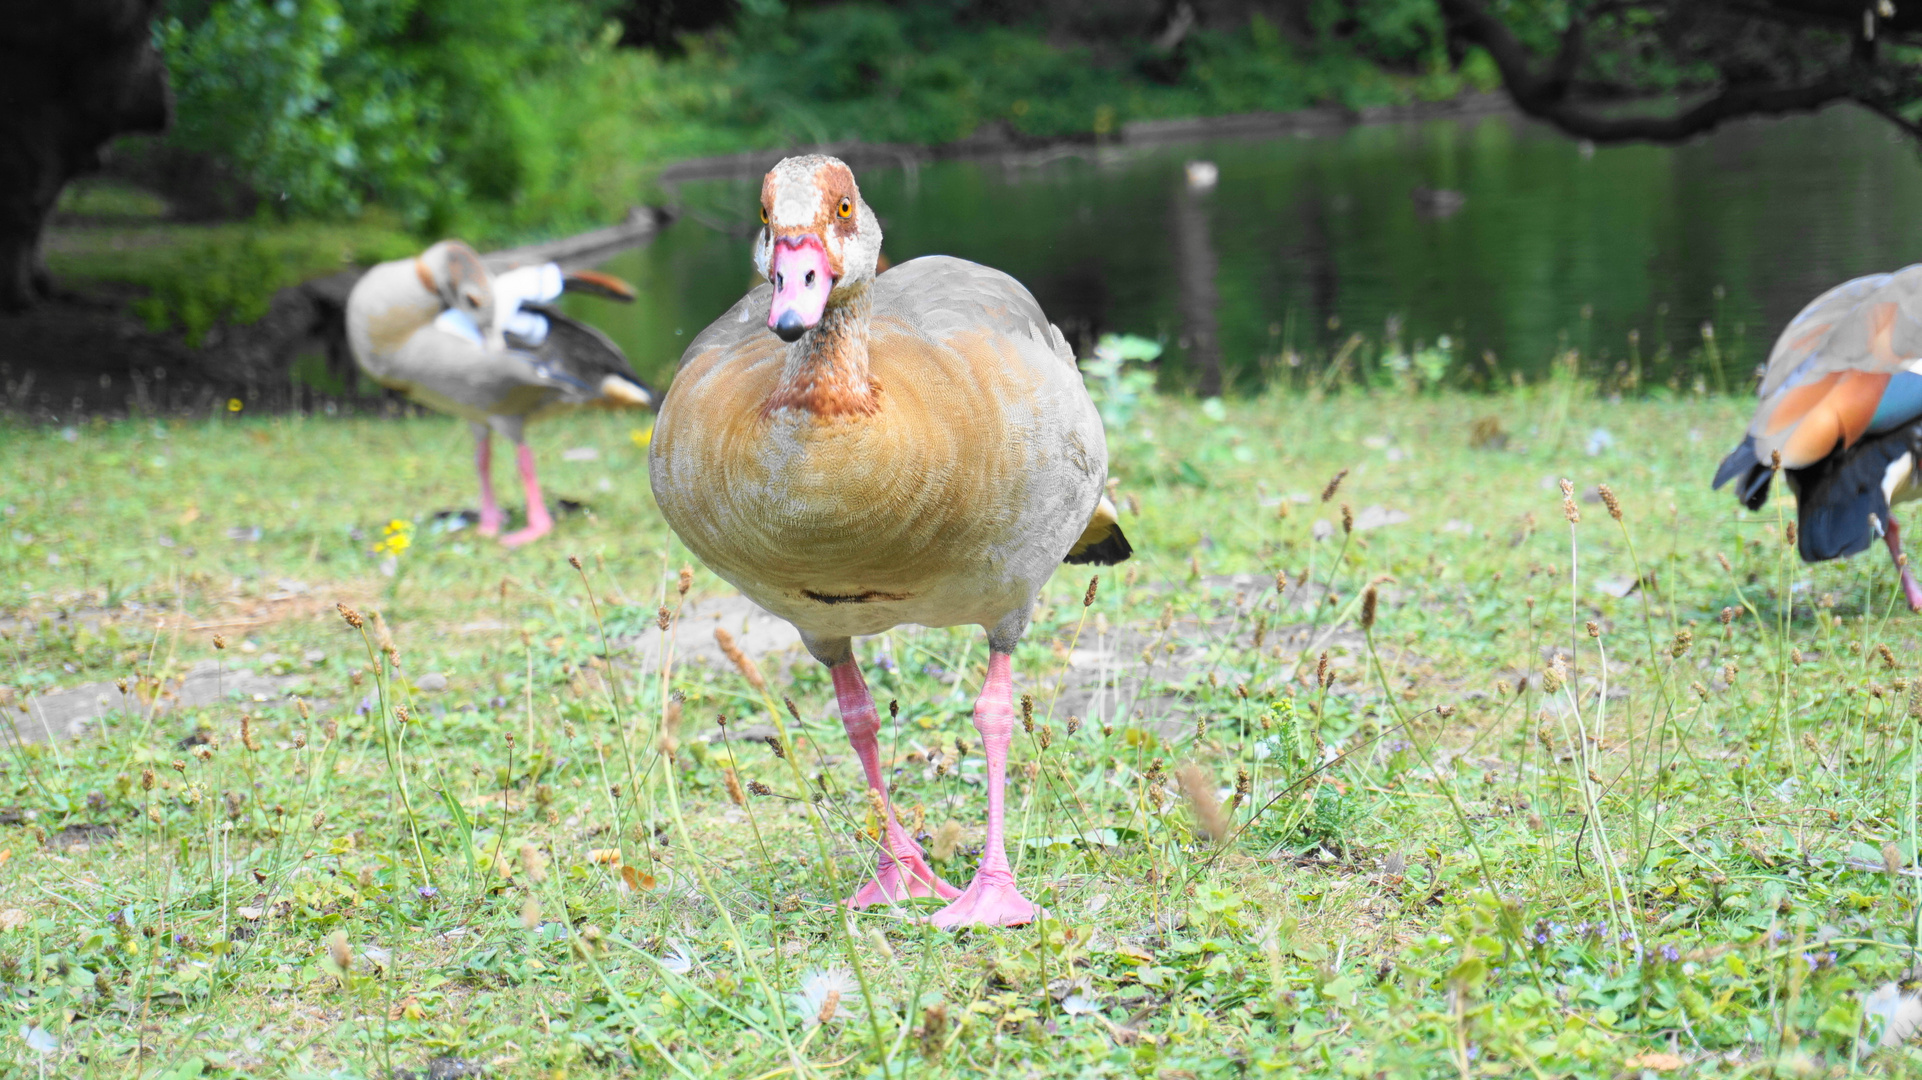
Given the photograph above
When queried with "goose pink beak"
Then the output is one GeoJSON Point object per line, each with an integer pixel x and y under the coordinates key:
{"type": "Point", "coordinates": [802, 281]}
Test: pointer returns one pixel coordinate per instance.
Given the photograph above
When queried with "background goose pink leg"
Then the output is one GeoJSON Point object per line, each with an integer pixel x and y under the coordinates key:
{"type": "Point", "coordinates": [992, 899]}
{"type": "Point", "coordinates": [491, 517]}
{"type": "Point", "coordinates": [538, 523]}
{"type": "Point", "coordinates": [1911, 591]}
{"type": "Point", "coordinates": [903, 872]}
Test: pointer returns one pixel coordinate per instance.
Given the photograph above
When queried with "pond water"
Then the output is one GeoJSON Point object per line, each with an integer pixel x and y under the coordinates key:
{"type": "Point", "coordinates": [1620, 253]}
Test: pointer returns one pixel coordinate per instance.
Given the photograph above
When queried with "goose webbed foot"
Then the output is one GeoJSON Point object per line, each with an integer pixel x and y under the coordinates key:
{"type": "Point", "coordinates": [904, 874]}
{"type": "Point", "coordinates": [991, 899]}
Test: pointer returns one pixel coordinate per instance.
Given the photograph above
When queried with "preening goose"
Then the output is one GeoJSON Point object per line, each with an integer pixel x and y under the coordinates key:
{"type": "Point", "coordinates": [491, 349]}
{"type": "Point", "coordinates": [1842, 407]}
{"type": "Point", "coordinates": [856, 451]}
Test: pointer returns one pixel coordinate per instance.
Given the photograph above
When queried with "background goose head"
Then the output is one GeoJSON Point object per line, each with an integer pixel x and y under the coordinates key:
{"type": "Point", "coordinates": [452, 271]}
{"type": "Point", "coordinates": [821, 243]}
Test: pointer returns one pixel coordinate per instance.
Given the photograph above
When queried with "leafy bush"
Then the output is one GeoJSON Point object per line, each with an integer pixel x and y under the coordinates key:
{"type": "Point", "coordinates": [425, 106]}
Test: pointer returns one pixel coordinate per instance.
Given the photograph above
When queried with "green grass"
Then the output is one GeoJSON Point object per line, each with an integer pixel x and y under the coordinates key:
{"type": "Point", "coordinates": [1430, 901]}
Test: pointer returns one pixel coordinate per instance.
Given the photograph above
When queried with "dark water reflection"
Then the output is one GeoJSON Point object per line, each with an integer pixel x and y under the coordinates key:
{"type": "Point", "coordinates": [1305, 241]}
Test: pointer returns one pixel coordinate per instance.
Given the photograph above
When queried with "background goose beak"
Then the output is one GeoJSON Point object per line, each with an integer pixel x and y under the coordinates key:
{"type": "Point", "coordinates": [802, 281]}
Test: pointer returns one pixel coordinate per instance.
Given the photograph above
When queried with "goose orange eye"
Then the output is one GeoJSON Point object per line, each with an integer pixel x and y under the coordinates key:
{"type": "Point", "coordinates": [847, 208]}
{"type": "Point", "coordinates": [764, 215]}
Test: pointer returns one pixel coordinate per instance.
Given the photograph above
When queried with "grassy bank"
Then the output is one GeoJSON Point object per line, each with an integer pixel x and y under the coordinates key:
{"type": "Point", "coordinates": [1537, 819]}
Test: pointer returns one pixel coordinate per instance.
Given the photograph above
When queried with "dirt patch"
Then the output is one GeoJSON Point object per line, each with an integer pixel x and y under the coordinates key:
{"type": "Point", "coordinates": [764, 636]}
{"type": "Point", "coordinates": [67, 714]}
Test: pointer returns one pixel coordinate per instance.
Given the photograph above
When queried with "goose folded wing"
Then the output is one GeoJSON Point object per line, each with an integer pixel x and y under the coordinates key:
{"type": "Point", "coordinates": [1845, 368]}
{"type": "Point", "coordinates": [583, 359]}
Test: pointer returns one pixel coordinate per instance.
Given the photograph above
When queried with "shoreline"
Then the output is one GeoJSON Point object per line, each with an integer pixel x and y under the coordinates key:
{"type": "Point", "coordinates": [998, 140]}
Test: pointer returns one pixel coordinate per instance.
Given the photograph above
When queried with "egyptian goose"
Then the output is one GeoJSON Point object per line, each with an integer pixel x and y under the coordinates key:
{"type": "Point", "coordinates": [442, 330]}
{"type": "Point", "coordinates": [857, 451]}
{"type": "Point", "coordinates": [1841, 414]}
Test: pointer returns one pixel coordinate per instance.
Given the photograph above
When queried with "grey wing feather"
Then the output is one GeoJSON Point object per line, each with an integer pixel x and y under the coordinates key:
{"type": "Point", "coordinates": [742, 325]}
{"type": "Point", "coordinates": [945, 296]}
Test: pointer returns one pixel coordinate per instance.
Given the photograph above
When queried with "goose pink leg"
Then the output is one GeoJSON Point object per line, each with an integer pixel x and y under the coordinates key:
{"type": "Point", "coordinates": [538, 523]}
{"type": "Point", "coordinates": [992, 899]}
{"type": "Point", "coordinates": [491, 518]}
{"type": "Point", "coordinates": [1910, 589]}
{"type": "Point", "coordinates": [903, 872]}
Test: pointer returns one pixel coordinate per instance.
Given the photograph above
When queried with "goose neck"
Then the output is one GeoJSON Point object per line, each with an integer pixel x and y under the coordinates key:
{"type": "Point", "coordinates": [826, 371]}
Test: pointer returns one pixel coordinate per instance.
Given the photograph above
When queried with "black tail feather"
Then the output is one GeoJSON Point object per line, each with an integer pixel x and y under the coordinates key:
{"type": "Point", "coordinates": [1753, 488]}
{"type": "Point", "coordinates": [1111, 549]}
{"type": "Point", "coordinates": [1836, 497]}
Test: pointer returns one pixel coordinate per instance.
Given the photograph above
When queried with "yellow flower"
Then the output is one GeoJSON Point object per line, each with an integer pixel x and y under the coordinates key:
{"type": "Point", "coordinates": [399, 536]}
{"type": "Point", "coordinates": [233, 404]}
{"type": "Point", "coordinates": [642, 436]}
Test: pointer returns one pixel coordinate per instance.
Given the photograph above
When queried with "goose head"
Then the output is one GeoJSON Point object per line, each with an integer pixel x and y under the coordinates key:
{"type": "Point", "coordinates": [452, 271]}
{"type": "Point", "coordinates": [820, 244]}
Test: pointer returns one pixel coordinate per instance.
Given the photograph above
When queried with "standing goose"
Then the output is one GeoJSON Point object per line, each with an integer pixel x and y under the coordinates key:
{"type": "Point", "coordinates": [451, 336]}
{"type": "Point", "coordinates": [1842, 407]}
{"type": "Point", "coordinates": [857, 451]}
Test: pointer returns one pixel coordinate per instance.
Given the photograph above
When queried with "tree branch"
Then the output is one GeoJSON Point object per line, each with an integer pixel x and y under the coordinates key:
{"type": "Point", "coordinates": [1547, 94]}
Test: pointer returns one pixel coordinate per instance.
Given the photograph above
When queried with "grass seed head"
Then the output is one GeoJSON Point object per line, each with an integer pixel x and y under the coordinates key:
{"type": "Point", "coordinates": [1281, 581]}
{"type": "Point", "coordinates": [1594, 631]}
{"type": "Point", "coordinates": [1347, 519]}
{"type": "Point", "coordinates": [1775, 461]}
{"type": "Point", "coordinates": [1888, 655]}
{"type": "Point", "coordinates": [1199, 790]}
{"type": "Point", "coordinates": [1074, 724]}
{"type": "Point", "coordinates": [1788, 534]}
{"type": "Point", "coordinates": [946, 839]}
{"type": "Point", "coordinates": [338, 952]}
{"type": "Point", "coordinates": [759, 788]}
{"type": "Point", "coordinates": [533, 863]}
{"type": "Point", "coordinates": [934, 1030]}
{"type": "Point", "coordinates": [1094, 585]}
{"type": "Point", "coordinates": [1609, 500]}
{"type": "Point", "coordinates": [742, 662]}
{"type": "Point", "coordinates": [663, 617]}
{"type": "Point", "coordinates": [686, 581]}
{"type": "Point", "coordinates": [1728, 615]}
{"type": "Point", "coordinates": [774, 744]}
{"type": "Point", "coordinates": [1569, 509]}
{"type": "Point", "coordinates": [1334, 485]}
{"type": "Point", "coordinates": [791, 710]}
{"type": "Point", "coordinates": [574, 561]}
{"type": "Point", "coordinates": [1322, 678]}
{"type": "Point", "coordinates": [1368, 601]}
{"type": "Point", "coordinates": [247, 738]}
{"type": "Point", "coordinates": [1684, 639]}
{"type": "Point", "coordinates": [733, 783]}
{"type": "Point", "coordinates": [1723, 559]}
{"type": "Point", "coordinates": [1027, 713]}
{"type": "Point", "coordinates": [1045, 736]}
{"type": "Point", "coordinates": [146, 779]}
{"type": "Point", "coordinates": [531, 913]}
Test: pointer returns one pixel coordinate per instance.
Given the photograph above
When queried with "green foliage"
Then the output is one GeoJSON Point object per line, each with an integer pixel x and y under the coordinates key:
{"type": "Point", "coordinates": [522, 116]}
{"type": "Point", "coordinates": [202, 279]}
{"type": "Point", "coordinates": [425, 106]}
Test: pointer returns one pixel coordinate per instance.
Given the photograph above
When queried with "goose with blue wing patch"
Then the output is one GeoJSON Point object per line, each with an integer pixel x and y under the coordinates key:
{"type": "Point", "coordinates": [491, 349]}
{"type": "Point", "coordinates": [857, 450]}
{"type": "Point", "coordinates": [1841, 417]}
